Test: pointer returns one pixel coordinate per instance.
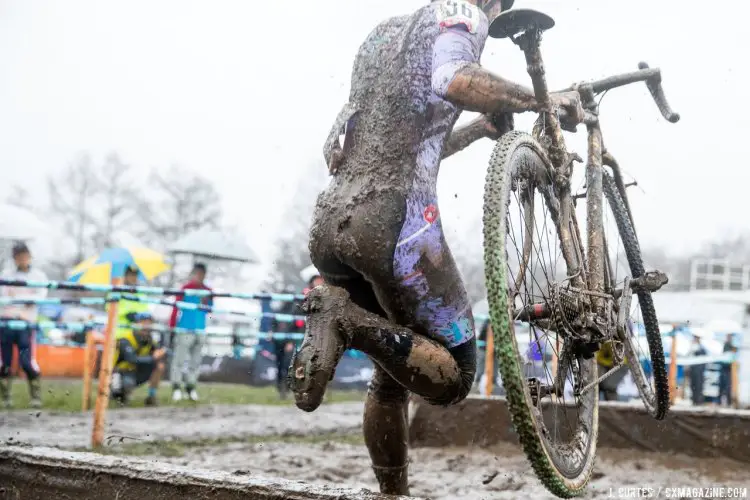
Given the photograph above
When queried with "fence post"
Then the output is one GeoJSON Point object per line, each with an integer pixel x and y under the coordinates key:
{"type": "Point", "coordinates": [105, 373]}
{"type": "Point", "coordinates": [88, 366]}
{"type": "Point", "coordinates": [489, 360]}
{"type": "Point", "coordinates": [673, 368]}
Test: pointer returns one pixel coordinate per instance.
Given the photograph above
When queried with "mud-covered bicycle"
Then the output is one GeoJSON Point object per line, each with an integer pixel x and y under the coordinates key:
{"type": "Point", "coordinates": [573, 312]}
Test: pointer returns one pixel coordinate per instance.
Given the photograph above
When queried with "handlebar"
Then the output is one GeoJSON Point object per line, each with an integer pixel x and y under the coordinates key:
{"type": "Point", "coordinates": [652, 77]}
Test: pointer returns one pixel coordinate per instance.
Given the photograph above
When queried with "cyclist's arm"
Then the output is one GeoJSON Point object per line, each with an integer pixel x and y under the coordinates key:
{"type": "Point", "coordinates": [462, 137]}
{"type": "Point", "coordinates": [457, 76]}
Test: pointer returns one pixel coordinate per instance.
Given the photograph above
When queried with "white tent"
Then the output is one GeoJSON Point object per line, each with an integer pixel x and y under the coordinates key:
{"type": "Point", "coordinates": [215, 245]}
{"type": "Point", "coordinates": [17, 223]}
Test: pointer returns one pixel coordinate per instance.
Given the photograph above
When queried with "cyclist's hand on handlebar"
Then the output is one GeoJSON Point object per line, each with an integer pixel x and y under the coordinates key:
{"type": "Point", "coordinates": [570, 102]}
{"type": "Point", "coordinates": [497, 124]}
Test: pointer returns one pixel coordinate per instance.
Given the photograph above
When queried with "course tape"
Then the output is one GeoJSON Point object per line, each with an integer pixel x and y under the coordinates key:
{"type": "Point", "coordinates": [78, 327]}
{"type": "Point", "coordinates": [148, 290]}
{"type": "Point", "coordinates": [114, 297]}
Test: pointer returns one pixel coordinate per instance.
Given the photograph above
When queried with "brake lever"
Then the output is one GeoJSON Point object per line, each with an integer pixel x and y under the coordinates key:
{"type": "Point", "coordinates": [657, 92]}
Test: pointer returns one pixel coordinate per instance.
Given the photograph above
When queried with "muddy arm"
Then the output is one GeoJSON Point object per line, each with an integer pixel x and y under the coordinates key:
{"type": "Point", "coordinates": [462, 137]}
{"type": "Point", "coordinates": [473, 88]}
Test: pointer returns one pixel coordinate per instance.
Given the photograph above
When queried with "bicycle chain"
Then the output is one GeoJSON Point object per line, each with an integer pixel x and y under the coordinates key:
{"type": "Point", "coordinates": [600, 379]}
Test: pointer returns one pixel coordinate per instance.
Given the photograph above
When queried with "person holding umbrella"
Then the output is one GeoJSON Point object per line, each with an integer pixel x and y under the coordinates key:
{"type": "Point", "coordinates": [22, 338]}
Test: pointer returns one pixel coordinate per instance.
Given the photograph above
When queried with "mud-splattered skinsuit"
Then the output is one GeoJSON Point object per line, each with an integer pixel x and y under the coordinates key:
{"type": "Point", "coordinates": [376, 230]}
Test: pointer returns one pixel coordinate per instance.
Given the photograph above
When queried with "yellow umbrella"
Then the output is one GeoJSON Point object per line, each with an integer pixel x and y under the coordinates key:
{"type": "Point", "coordinates": [112, 262]}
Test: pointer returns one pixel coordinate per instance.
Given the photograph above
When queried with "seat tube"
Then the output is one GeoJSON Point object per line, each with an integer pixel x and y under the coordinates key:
{"type": "Point", "coordinates": [594, 200]}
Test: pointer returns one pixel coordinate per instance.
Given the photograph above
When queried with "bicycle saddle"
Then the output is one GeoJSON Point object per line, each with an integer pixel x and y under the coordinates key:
{"type": "Point", "coordinates": [513, 22]}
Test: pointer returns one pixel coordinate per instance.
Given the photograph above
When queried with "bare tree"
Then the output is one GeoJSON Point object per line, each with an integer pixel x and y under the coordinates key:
{"type": "Point", "coordinates": [292, 254]}
{"type": "Point", "coordinates": [117, 199]}
{"type": "Point", "coordinates": [19, 197]}
{"type": "Point", "coordinates": [178, 203]}
{"type": "Point", "coordinates": [72, 201]}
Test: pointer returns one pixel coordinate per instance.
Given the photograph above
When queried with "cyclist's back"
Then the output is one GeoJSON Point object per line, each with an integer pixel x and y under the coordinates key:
{"type": "Point", "coordinates": [397, 119]}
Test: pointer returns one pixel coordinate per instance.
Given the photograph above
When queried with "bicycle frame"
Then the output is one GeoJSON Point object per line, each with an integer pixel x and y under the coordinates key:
{"type": "Point", "coordinates": [584, 273]}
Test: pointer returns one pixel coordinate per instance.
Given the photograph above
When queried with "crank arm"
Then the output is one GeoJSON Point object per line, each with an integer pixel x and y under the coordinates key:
{"type": "Point", "coordinates": [537, 390]}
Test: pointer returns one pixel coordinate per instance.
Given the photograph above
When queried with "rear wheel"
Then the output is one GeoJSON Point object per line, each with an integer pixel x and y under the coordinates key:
{"type": "Point", "coordinates": [642, 343]}
{"type": "Point", "coordinates": [557, 424]}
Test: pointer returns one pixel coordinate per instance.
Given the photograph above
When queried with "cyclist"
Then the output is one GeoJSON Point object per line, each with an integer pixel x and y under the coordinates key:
{"type": "Point", "coordinates": [392, 289]}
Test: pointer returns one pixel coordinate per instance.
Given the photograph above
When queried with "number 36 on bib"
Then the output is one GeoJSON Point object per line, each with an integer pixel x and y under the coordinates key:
{"type": "Point", "coordinates": [456, 12]}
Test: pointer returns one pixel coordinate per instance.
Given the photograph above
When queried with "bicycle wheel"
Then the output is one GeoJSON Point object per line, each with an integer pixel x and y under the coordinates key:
{"type": "Point", "coordinates": [653, 387]}
{"type": "Point", "coordinates": [518, 278]}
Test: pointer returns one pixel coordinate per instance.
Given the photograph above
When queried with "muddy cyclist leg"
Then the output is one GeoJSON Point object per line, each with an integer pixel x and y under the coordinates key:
{"type": "Point", "coordinates": [420, 364]}
{"type": "Point", "coordinates": [386, 430]}
{"type": "Point", "coordinates": [385, 418]}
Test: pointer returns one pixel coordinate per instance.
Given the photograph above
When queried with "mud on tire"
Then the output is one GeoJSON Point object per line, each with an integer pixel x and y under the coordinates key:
{"type": "Point", "coordinates": [504, 163]}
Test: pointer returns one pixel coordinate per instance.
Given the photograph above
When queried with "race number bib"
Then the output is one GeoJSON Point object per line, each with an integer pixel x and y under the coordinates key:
{"type": "Point", "coordinates": [458, 12]}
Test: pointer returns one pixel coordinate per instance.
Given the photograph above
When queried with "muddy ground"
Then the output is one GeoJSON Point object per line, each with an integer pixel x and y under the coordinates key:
{"type": "Point", "coordinates": [73, 430]}
{"type": "Point", "coordinates": [324, 448]}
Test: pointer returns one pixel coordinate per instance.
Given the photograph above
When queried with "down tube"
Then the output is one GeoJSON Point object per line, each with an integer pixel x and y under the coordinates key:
{"type": "Point", "coordinates": [569, 243]}
{"type": "Point", "coordinates": [594, 212]}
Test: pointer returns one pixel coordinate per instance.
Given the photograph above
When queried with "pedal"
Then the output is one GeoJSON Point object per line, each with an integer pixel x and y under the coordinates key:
{"type": "Point", "coordinates": [649, 282]}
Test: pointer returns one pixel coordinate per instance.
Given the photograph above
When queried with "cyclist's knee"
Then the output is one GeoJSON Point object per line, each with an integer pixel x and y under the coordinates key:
{"type": "Point", "coordinates": [465, 357]}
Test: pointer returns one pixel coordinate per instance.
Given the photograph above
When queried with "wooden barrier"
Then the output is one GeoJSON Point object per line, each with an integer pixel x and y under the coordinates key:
{"type": "Point", "coordinates": [702, 433]}
{"type": "Point", "coordinates": [45, 473]}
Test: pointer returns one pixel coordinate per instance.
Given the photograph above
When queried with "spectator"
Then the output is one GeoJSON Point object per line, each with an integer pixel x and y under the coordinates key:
{"type": "Point", "coordinates": [237, 345]}
{"type": "Point", "coordinates": [284, 346]}
{"type": "Point", "coordinates": [129, 309]}
{"type": "Point", "coordinates": [725, 375]}
{"type": "Point", "coordinates": [24, 338]}
{"type": "Point", "coordinates": [188, 347]}
{"type": "Point", "coordinates": [137, 360]}
{"type": "Point", "coordinates": [482, 356]}
{"type": "Point", "coordinates": [697, 372]}
{"type": "Point", "coordinates": [313, 282]}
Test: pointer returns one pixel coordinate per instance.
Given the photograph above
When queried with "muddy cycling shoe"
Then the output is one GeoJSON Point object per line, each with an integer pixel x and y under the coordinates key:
{"type": "Point", "coordinates": [314, 364]}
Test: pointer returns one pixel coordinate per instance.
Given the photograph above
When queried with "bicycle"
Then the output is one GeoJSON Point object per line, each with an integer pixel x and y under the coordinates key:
{"type": "Point", "coordinates": [586, 307]}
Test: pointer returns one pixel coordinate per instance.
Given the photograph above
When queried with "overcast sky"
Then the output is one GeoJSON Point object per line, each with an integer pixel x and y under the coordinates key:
{"type": "Point", "coordinates": [245, 92]}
